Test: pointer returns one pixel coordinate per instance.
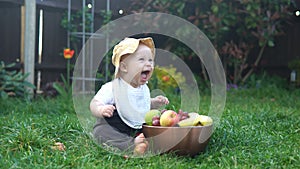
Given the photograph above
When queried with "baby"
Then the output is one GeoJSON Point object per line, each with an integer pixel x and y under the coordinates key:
{"type": "Point", "coordinates": [121, 104]}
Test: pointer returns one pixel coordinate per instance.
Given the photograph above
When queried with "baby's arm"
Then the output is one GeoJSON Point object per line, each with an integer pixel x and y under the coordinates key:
{"type": "Point", "coordinates": [99, 109]}
{"type": "Point", "coordinates": [158, 101]}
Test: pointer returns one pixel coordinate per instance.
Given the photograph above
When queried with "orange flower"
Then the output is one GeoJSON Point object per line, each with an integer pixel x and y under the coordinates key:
{"type": "Point", "coordinates": [68, 53]}
{"type": "Point", "coordinates": [165, 78]}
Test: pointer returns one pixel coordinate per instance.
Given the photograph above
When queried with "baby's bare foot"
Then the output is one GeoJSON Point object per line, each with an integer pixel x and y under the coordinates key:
{"type": "Point", "coordinates": [140, 145]}
{"type": "Point", "coordinates": [140, 149]}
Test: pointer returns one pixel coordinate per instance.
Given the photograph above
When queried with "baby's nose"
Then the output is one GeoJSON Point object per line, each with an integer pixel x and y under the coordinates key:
{"type": "Point", "coordinates": [151, 63]}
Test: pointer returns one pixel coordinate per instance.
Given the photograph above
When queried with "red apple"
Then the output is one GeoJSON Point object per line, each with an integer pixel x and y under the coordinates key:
{"type": "Point", "coordinates": [169, 118]}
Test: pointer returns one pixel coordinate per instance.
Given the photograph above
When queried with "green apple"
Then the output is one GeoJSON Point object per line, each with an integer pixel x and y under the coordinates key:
{"type": "Point", "coordinates": [150, 114]}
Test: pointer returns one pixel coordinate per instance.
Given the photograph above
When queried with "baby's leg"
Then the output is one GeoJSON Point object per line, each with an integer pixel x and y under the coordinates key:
{"type": "Point", "coordinates": [107, 135]}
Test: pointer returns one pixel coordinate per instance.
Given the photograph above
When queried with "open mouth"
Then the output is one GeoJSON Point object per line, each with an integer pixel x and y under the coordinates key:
{"type": "Point", "coordinates": [145, 74]}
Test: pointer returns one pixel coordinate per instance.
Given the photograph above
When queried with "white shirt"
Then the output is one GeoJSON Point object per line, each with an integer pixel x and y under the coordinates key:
{"type": "Point", "coordinates": [132, 103]}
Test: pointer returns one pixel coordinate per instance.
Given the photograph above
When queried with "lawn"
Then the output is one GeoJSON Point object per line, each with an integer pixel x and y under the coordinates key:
{"type": "Point", "coordinates": [260, 128]}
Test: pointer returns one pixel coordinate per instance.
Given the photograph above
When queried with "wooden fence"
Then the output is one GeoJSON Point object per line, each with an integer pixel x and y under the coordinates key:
{"type": "Point", "coordinates": [55, 39]}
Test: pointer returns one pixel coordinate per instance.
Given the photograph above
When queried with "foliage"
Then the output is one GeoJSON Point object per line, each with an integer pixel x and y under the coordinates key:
{"type": "Point", "coordinates": [256, 124]}
{"type": "Point", "coordinates": [237, 29]}
{"type": "Point", "coordinates": [13, 83]}
{"type": "Point", "coordinates": [76, 18]}
{"type": "Point", "coordinates": [65, 89]}
{"type": "Point", "coordinates": [265, 80]}
{"type": "Point", "coordinates": [107, 15]}
{"type": "Point", "coordinates": [253, 22]}
{"type": "Point", "coordinates": [294, 65]}
{"type": "Point", "coordinates": [167, 79]}
{"type": "Point", "coordinates": [203, 85]}
{"type": "Point", "coordinates": [75, 26]}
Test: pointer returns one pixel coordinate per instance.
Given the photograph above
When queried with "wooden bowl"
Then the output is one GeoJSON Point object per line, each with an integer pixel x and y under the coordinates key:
{"type": "Point", "coordinates": [186, 141]}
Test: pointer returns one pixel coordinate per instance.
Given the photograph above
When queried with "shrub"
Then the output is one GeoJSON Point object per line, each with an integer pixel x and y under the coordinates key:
{"type": "Point", "coordinates": [64, 89]}
{"type": "Point", "coordinates": [167, 79]}
{"type": "Point", "coordinates": [265, 80]}
{"type": "Point", "coordinates": [13, 83]}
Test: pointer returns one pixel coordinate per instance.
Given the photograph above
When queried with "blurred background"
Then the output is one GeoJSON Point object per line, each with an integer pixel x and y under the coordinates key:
{"type": "Point", "coordinates": [252, 38]}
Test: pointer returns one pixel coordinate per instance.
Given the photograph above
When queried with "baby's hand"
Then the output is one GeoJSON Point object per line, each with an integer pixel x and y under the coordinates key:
{"type": "Point", "coordinates": [159, 101]}
{"type": "Point", "coordinates": [107, 110]}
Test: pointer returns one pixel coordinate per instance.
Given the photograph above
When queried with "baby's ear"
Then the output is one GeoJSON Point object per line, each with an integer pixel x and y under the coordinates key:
{"type": "Point", "coordinates": [123, 67]}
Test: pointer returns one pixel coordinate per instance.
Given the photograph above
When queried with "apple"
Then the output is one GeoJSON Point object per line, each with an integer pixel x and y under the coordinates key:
{"type": "Point", "coordinates": [150, 114]}
{"type": "Point", "coordinates": [163, 110]}
{"type": "Point", "coordinates": [169, 118]}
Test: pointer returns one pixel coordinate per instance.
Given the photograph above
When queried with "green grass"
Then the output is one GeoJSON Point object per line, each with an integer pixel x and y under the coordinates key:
{"type": "Point", "coordinates": [260, 128]}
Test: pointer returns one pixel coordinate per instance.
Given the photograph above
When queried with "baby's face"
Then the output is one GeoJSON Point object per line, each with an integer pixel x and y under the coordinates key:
{"type": "Point", "coordinates": [139, 66]}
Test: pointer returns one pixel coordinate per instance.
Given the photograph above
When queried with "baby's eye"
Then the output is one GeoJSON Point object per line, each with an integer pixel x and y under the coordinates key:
{"type": "Point", "coordinates": [141, 59]}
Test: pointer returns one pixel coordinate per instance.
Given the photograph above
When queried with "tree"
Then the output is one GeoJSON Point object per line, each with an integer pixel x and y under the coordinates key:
{"type": "Point", "coordinates": [237, 28]}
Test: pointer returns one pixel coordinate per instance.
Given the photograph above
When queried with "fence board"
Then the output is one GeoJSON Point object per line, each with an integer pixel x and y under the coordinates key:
{"type": "Point", "coordinates": [10, 32]}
